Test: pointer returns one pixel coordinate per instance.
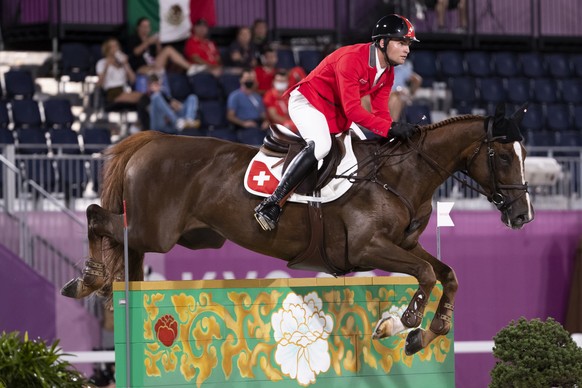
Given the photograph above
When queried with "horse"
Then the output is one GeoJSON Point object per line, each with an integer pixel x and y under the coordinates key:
{"type": "Point", "coordinates": [189, 191]}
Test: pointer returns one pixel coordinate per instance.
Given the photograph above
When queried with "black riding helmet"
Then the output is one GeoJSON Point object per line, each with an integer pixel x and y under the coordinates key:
{"type": "Point", "coordinates": [392, 27]}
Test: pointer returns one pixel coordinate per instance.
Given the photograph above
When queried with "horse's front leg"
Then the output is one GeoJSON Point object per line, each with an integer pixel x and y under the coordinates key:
{"type": "Point", "coordinates": [392, 258]}
{"type": "Point", "coordinates": [100, 223]}
{"type": "Point", "coordinates": [441, 323]}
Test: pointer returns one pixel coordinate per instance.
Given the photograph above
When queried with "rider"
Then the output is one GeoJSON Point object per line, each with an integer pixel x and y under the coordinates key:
{"type": "Point", "coordinates": [328, 100]}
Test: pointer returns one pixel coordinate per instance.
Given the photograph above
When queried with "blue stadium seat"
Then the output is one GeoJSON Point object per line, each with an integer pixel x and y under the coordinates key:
{"type": "Point", "coordinates": [425, 64]}
{"type": "Point", "coordinates": [6, 136]}
{"type": "Point", "coordinates": [206, 86]}
{"type": "Point", "coordinates": [491, 90]}
{"type": "Point", "coordinates": [309, 59]}
{"type": "Point", "coordinates": [19, 84]}
{"type": "Point", "coordinates": [557, 65]}
{"type": "Point", "coordinates": [534, 118]}
{"type": "Point", "coordinates": [532, 65]}
{"type": "Point", "coordinates": [179, 86]}
{"type": "Point", "coordinates": [570, 138]}
{"type": "Point", "coordinates": [26, 114]}
{"type": "Point", "coordinates": [4, 117]}
{"type": "Point", "coordinates": [286, 59]}
{"type": "Point", "coordinates": [76, 61]}
{"type": "Point", "coordinates": [478, 63]}
{"type": "Point", "coordinates": [413, 114]}
{"type": "Point", "coordinates": [213, 120]}
{"type": "Point", "coordinates": [577, 117]}
{"type": "Point", "coordinates": [95, 140]}
{"type": "Point", "coordinates": [229, 83]}
{"type": "Point", "coordinates": [518, 90]}
{"type": "Point", "coordinates": [545, 90]}
{"type": "Point", "coordinates": [58, 113]}
{"type": "Point", "coordinates": [576, 61]}
{"type": "Point", "coordinates": [558, 117]}
{"type": "Point", "coordinates": [542, 138]}
{"type": "Point", "coordinates": [72, 175]}
{"type": "Point", "coordinates": [33, 141]}
{"type": "Point", "coordinates": [64, 141]}
{"type": "Point", "coordinates": [464, 93]}
{"type": "Point", "coordinates": [571, 90]}
{"type": "Point", "coordinates": [505, 64]}
{"type": "Point", "coordinates": [451, 63]}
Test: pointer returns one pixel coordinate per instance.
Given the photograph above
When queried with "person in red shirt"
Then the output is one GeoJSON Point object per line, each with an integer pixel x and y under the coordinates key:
{"type": "Point", "coordinates": [328, 100]}
{"type": "Point", "coordinates": [201, 51]}
{"type": "Point", "coordinates": [276, 102]}
{"type": "Point", "coordinates": [266, 70]}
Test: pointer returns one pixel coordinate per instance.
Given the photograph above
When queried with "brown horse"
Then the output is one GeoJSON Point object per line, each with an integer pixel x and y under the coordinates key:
{"type": "Point", "coordinates": [189, 191]}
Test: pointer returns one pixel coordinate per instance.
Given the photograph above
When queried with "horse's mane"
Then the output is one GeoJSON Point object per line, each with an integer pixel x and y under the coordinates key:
{"type": "Point", "coordinates": [450, 120]}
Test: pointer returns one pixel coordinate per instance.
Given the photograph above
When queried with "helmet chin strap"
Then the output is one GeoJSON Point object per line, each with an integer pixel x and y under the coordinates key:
{"type": "Point", "coordinates": [384, 52]}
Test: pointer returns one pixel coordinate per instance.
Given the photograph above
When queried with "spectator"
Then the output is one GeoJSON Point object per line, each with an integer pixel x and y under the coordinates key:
{"type": "Point", "coordinates": [240, 52]}
{"type": "Point", "coordinates": [168, 114]}
{"type": "Point", "coordinates": [276, 101]}
{"type": "Point", "coordinates": [201, 51]}
{"type": "Point", "coordinates": [147, 56]}
{"type": "Point", "coordinates": [406, 83]}
{"type": "Point", "coordinates": [245, 109]}
{"type": "Point", "coordinates": [442, 6]}
{"type": "Point", "coordinates": [260, 37]}
{"type": "Point", "coordinates": [115, 75]}
{"type": "Point", "coordinates": [266, 71]}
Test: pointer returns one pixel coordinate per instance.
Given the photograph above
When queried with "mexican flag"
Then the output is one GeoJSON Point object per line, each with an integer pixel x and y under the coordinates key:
{"type": "Point", "coordinates": [171, 18]}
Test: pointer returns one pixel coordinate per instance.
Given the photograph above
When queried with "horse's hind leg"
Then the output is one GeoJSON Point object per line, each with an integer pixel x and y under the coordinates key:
{"type": "Point", "coordinates": [100, 223]}
{"type": "Point", "coordinates": [441, 323]}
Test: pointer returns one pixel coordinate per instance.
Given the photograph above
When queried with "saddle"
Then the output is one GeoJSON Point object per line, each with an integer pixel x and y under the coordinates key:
{"type": "Point", "coordinates": [278, 143]}
{"type": "Point", "coordinates": [287, 145]}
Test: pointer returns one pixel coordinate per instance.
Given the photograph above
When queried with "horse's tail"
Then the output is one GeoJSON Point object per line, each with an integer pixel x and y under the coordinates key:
{"type": "Point", "coordinates": [117, 158]}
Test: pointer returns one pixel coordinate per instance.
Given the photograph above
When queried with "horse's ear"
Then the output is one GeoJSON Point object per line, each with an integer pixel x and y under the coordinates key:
{"type": "Point", "coordinates": [499, 114]}
{"type": "Point", "coordinates": [517, 116]}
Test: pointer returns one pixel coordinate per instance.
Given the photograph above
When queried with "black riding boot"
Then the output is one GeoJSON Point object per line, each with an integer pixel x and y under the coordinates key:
{"type": "Point", "coordinates": [267, 213]}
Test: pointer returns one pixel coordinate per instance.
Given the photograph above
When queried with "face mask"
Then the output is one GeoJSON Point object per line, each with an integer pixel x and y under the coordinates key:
{"type": "Point", "coordinates": [249, 84]}
{"type": "Point", "coordinates": [281, 86]}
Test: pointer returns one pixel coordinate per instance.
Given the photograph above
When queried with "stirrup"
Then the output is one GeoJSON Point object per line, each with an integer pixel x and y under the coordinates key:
{"type": "Point", "coordinates": [262, 216]}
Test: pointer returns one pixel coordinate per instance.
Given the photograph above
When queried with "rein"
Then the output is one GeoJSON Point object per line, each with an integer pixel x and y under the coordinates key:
{"type": "Point", "coordinates": [495, 196]}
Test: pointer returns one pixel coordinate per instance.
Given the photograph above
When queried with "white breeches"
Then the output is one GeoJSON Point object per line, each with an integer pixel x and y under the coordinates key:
{"type": "Point", "coordinates": [311, 123]}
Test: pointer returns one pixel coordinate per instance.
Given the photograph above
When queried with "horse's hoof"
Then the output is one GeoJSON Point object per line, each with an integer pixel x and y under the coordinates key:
{"type": "Point", "coordinates": [76, 289]}
{"type": "Point", "coordinates": [387, 326]}
{"type": "Point", "coordinates": [413, 342]}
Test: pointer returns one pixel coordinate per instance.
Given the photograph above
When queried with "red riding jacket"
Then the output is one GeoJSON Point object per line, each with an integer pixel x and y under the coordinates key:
{"type": "Point", "coordinates": [335, 88]}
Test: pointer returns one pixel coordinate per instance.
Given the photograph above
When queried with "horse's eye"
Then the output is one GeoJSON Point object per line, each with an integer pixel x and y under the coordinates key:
{"type": "Point", "coordinates": [505, 158]}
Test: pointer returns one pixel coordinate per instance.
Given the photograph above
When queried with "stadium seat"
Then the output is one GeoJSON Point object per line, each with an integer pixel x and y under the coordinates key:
{"type": "Point", "coordinates": [576, 61]}
{"type": "Point", "coordinates": [179, 85]}
{"type": "Point", "coordinates": [534, 118]}
{"type": "Point", "coordinates": [19, 84]}
{"type": "Point", "coordinates": [569, 138]}
{"type": "Point", "coordinates": [532, 65]}
{"type": "Point", "coordinates": [229, 83]}
{"type": "Point", "coordinates": [542, 138]}
{"type": "Point", "coordinates": [413, 114]}
{"type": "Point", "coordinates": [505, 64]}
{"type": "Point", "coordinates": [4, 117]}
{"type": "Point", "coordinates": [577, 117]}
{"type": "Point", "coordinates": [478, 63]}
{"type": "Point", "coordinates": [558, 65]}
{"type": "Point", "coordinates": [26, 114]}
{"type": "Point", "coordinates": [286, 59]}
{"type": "Point", "coordinates": [558, 117]}
{"type": "Point", "coordinates": [71, 170]}
{"type": "Point", "coordinates": [32, 141]}
{"type": "Point", "coordinates": [309, 59]}
{"type": "Point", "coordinates": [64, 141]}
{"type": "Point", "coordinates": [213, 120]}
{"type": "Point", "coordinates": [571, 90]}
{"type": "Point", "coordinates": [464, 93]}
{"type": "Point", "coordinates": [491, 90]}
{"type": "Point", "coordinates": [545, 90]}
{"type": "Point", "coordinates": [76, 61]}
{"type": "Point", "coordinates": [6, 136]}
{"type": "Point", "coordinates": [425, 64]}
{"type": "Point", "coordinates": [451, 64]}
{"type": "Point", "coordinates": [95, 139]}
{"type": "Point", "coordinates": [206, 86]}
{"type": "Point", "coordinates": [518, 90]}
{"type": "Point", "coordinates": [58, 113]}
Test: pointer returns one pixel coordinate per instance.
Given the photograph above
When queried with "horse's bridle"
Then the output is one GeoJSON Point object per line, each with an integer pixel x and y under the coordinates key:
{"type": "Point", "coordinates": [496, 196]}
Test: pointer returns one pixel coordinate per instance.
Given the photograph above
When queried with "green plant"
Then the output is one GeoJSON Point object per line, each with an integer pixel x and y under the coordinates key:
{"type": "Point", "coordinates": [33, 363]}
{"type": "Point", "coordinates": [536, 354]}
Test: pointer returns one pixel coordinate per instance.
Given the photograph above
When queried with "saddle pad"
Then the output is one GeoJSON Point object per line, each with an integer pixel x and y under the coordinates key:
{"type": "Point", "coordinates": [264, 173]}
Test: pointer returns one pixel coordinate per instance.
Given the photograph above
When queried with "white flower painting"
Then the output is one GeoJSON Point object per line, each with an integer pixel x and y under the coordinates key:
{"type": "Point", "coordinates": [301, 330]}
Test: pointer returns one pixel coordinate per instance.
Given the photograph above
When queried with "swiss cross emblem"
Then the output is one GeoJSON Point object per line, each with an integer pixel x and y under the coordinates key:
{"type": "Point", "coordinates": [261, 179]}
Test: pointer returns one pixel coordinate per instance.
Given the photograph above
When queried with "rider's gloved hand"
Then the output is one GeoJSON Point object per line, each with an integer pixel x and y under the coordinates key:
{"type": "Point", "coordinates": [402, 131]}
